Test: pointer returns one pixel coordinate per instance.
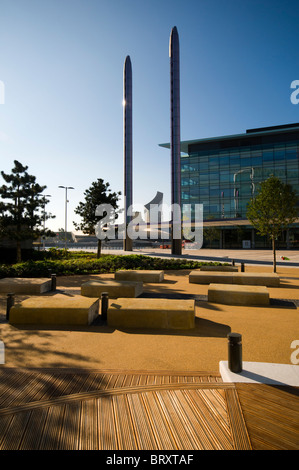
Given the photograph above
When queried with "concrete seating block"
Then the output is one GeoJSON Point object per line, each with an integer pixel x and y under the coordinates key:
{"type": "Point", "coordinates": [139, 275]}
{"type": "Point", "coordinates": [254, 279]}
{"type": "Point", "coordinates": [234, 294]}
{"type": "Point", "coordinates": [151, 313]}
{"type": "Point", "coordinates": [203, 277]}
{"type": "Point", "coordinates": [114, 288]}
{"type": "Point", "coordinates": [219, 268]}
{"type": "Point", "coordinates": [258, 279]}
{"type": "Point", "coordinates": [55, 310]}
{"type": "Point", "coordinates": [30, 286]}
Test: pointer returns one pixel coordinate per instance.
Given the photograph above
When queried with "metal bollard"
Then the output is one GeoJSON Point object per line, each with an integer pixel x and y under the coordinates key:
{"type": "Point", "coordinates": [104, 305]}
{"type": "Point", "coordinates": [242, 268]}
{"type": "Point", "coordinates": [233, 262]}
{"type": "Point", "coordinates": [53, 282]}
{"type": "Point", "coordinates": [235, 352]}
{"type": "Point", "coordinates": [9, 303]}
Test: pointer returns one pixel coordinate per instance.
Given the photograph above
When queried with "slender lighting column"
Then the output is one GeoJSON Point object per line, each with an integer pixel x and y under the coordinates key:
{"type": "Point", "coordinates": [66, 201]}
{"type": "Point", "coordinates": [175, 141]}
{"type": "Point", "coordinates": [44, 237]}
{"type": "Point", "coordinates": [128, 149]}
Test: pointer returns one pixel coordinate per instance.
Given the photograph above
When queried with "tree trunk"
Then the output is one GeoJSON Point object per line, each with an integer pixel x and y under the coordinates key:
{"type": "Point", "coordinates": [274, 254]}
{"type": "Point", "coordinates": [99, 248]}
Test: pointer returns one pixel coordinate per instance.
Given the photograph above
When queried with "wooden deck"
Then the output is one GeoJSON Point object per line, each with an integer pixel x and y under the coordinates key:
{"type": "Point", "coordinates": [63, 409]}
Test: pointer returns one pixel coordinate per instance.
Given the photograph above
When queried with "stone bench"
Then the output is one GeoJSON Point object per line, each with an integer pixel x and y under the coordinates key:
{"type": "Point", "coordinates": [58, 309]}
{"type": "Point", "coordinates": [219, 268]}
{"type": "Point", "coordinates": [23, 285]}
{"type": "Point", "coordinates": [139, 275]}
{"type": "Point", "coordinates": [238, 294]}
{"type": "Point", "coordinates": [253, 279]}
{"type": "Point", "coordinates": [114, 288]}
{"type": "Point", "coordinates": [151, 313]}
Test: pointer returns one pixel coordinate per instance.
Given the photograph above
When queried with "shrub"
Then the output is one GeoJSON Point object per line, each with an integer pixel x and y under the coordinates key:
{"type": "Point", "coordinates": [91, 265]}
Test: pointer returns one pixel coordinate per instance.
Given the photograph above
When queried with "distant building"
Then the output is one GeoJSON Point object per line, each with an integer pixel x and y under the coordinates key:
{"type": "Point", "coordinates": [223, 173]}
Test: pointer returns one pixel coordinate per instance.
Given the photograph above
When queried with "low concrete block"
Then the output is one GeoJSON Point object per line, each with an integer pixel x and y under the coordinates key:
{"type": "Point", "coordinates": [253, 279]}
{"type": "Point", "coordinates": [257, 279]}
{"type": "Point", "coordinates": [152, 313]}
{"type": "Point", "coordinates": [139, 275]}
{"type": "Point", "coordinates": [114, 288]}
{"type": "Point", "coordinates": [219, 268]}
{"type": "Point", "coordinates": [202, 277]}
{"type": "Point", "coordinates": [55, 310]}
{"type": "Point", "coordinates": [20, 285]}
{"type": "Point", "coordinates": [238, 295]}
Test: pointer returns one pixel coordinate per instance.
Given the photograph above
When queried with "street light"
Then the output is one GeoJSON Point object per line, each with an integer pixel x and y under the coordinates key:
{"type": "Point", "coordinates": [66, 201]}
{"type": "Point", "coordinates": [44, 201]}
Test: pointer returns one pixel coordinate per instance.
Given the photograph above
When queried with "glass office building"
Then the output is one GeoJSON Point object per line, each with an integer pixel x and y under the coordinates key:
{"type": "Point", "coordinates": [223, 174]}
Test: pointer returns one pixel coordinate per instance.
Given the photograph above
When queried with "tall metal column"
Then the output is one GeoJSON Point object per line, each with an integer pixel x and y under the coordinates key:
{"type": "Point", "coordinates": [175, 142]}
{"type": "Point", "coordinates": [128, 148]}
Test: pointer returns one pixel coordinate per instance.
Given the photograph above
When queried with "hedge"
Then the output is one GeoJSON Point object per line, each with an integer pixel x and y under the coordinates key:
{"type": "Point", "coordinates": [89, 265]}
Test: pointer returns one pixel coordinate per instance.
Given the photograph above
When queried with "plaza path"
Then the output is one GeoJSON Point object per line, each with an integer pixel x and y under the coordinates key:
{"type": "Point", "coordinates": [96, 387]}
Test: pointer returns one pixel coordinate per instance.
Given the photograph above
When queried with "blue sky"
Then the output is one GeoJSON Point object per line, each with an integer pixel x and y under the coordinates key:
{"type": "Point", "coordinates": [61, 62]}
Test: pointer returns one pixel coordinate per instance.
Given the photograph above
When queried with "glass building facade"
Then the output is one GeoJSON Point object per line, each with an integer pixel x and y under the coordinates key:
{"type": "Point", "coordinates": [223, 174]}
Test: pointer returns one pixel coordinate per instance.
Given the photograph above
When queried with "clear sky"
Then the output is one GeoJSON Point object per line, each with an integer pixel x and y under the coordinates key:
{"type": "Point", "coordinates": [61, 62]}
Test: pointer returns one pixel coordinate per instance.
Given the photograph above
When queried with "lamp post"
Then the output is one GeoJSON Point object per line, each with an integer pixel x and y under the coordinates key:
{"type": "Point", "coordinates": [66, 201]}
{"type": "Point", "coordinates": [44, 201]}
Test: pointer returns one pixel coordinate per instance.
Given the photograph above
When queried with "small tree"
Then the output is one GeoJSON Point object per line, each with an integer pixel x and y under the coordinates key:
{"type": "Point", "coordinates": [99, 193]}
{"type": "Point", "coordinates": [20, 218]}
{"type": "Point", "coordinates": [273, 209]}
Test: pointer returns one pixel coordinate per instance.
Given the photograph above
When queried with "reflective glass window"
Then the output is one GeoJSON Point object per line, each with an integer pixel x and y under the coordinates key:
{"type": "Point", "coordinates": [279, 155]}
{"type": "Point", "coordinates": [245, 162]}
{"type": "Point", "coordinates": [204, 191]}
{"type": "Point", "coordinates": [214, 160]}
{"type": "Point", "coordinates": [224, 176]}
{"type": "Point", "coordinates": [256, 161]}
{"type": "Point", "coordinates": [268, 155]}
{"type": "Point", "coordinates": [291, 154]}
{"type": "Point", "coordinates": [203, 166]}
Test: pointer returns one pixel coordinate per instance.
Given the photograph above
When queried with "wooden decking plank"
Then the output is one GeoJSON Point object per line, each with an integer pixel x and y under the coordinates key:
{"type": "Point", "coordinates": [214, 435]}
{"type": "Point", "coordinates": [70, 428]}
{"type": "Point", "coordinates": [14, 432]}
{"type": "Point", "coordinates": [107, 438]}
{"type": "Point", "coordinates": [5, 423]}
{"type": "Point", "coordinates": [271, 414]}
{"type": "Point", "coordinates": [34, 430]}
{"type": "Point", "coordinates": [88, 425]}
{"type": "Point", "coordinates": [12, 390]}
{"type": "Point", "coordinates": [124, 425]}
{"type": "Point", "coordinates": [160, 429]}
{"type": "Point", "coordinates": [142, 427]}
{"type": "Point", "coordinates": [237, 423]}
{"type": "Point", "coordinates": [50, 438]}
{"type": "Point", "coordinates": [173, 414]}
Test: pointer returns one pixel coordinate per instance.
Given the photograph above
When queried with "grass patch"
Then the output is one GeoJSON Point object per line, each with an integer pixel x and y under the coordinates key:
{"type": "Point", "coordinates": [74, 263]}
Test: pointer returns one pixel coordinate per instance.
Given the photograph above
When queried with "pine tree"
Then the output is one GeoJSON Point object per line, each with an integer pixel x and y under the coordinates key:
{"type": "Point", "coordinates": [21, 200]}
{"type": "Point", "coordinates": [273, 209]}
{"type": "Point", "coordinates": [99, 193]}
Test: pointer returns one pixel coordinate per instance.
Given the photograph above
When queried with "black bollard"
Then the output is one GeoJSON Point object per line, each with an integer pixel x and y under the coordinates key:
{"type": "Point", "coordinates": [235, 352]}
{"type": "Point", "coordinates": [53, 282]}
{"type": "Point", "coordinates": [9, 303]}
{"type": "Point", "coordinates": [104, 306]}
{"type": "Point", "coordinates": [233, 262]}
{"type": "Point", "coordinates": [242, 268]}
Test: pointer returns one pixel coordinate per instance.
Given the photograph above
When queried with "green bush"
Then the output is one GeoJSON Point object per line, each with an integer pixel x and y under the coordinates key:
{"type": "Point", "coordinates": [91, 265]}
